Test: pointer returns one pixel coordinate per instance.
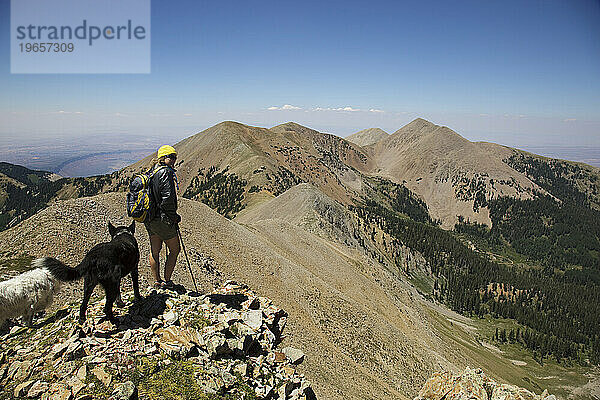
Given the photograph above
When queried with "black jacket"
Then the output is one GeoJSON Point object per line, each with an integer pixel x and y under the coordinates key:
{"type": "Point", "coordinates": [164, 193]}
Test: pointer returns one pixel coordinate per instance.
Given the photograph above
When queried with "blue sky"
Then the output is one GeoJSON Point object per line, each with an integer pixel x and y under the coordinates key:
{"type": "Point", "coordinates": [513, 72]}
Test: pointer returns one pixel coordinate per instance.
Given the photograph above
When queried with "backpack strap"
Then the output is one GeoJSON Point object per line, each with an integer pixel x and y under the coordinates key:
{"type": "Point", "coordinates": [159, 167]}
{"type": "Point", "coordinates": [156, 169]}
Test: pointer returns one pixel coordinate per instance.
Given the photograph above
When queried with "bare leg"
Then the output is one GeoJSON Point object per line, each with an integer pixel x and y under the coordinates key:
{"type": "Point", "coordinates": [155, 246]}
{"type": "Point", "coordinates": [173, 246]}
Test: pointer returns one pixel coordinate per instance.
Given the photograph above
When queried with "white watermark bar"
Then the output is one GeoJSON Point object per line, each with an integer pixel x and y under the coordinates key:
{"type": "Point", "coordinates": [79, 36]}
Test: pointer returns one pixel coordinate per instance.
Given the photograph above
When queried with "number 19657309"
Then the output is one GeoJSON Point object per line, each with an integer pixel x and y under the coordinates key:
{"type": "Point", "coordinates": [47, 47]}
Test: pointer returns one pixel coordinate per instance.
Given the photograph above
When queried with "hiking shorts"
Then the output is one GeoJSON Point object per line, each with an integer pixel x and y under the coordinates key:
{"type": "Point", "coordinates": [161, 229]}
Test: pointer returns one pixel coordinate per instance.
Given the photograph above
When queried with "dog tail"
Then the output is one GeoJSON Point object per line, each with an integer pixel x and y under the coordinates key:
{"type": "Point", "coordinates": [58, 269]}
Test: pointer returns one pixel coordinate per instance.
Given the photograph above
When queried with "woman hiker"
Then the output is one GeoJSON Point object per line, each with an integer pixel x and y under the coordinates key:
{"type": "Point", "coordinates": [162, 227]}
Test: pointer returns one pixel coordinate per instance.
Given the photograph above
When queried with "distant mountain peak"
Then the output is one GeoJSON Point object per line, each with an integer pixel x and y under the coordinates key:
{"type": "Point", "coordinates": [290, 126]}
{"type": "Point", "coordinates": [422, 121]}
{"type": "Point", "coordinates": [226, 124]}
{"type": "Point", "coordinates": [367, 136]}
{"type": "Point", "coordinates": [419, 125]}
{"type": "Point", "coordinates": [421, 129]}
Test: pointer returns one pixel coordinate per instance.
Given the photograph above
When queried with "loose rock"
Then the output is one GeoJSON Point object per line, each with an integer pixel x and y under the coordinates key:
{"type": "Point", "coordinates": [473, 384]}
{"type": "Point", "coordinates": [22, 388]}
{"type": "Point", "coordinates": [230, 336]}
{"type": "Point", "coordinates": [295, 356]}
{"type": "Point", "coordinates": [125, 391]}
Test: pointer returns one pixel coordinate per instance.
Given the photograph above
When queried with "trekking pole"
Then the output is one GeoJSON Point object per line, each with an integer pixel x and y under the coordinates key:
{"type": "Point", "coordinates": [186, 258]}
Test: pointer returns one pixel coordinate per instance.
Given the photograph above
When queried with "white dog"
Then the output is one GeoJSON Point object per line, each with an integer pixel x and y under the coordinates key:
{"type": "Point", "coordinates": [28, 293]}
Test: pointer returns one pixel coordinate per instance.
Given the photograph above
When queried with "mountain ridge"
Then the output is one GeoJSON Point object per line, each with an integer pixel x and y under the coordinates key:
{"type": "Point", "coordinates": [272, 259]}
{"type": "Point", "coordinates": [338, 298]}
{"type": "Point", "coordinates": [350, 302]}
{"type": "Point", "coordinates": [367, 136]}
{"type": "Point", "coordinates": [456, 178]}
{"type": "Point", "coordinates": [452, 174]}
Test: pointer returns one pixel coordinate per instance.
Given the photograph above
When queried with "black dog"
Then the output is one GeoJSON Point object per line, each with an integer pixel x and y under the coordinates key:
{"type": "Point", "coordinates": [105, 264]}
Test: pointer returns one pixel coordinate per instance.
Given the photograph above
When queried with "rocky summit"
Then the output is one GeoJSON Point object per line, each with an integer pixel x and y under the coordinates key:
{"type": "Point", "coordinates": [222, 345]}
{"type": "Point", "coordinates": [472, 384]}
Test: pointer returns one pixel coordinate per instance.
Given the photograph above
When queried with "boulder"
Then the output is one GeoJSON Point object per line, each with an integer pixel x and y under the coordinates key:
{"type": "Point", "coordinates": [74, 350]}
{"type": "Point", "coordinates": [233, 349]}
{"type": "Point", "coordinates": [216, 345]}
{"type": "Point", "coordinates": [125, 391]}
{"type": "Point", "coordinates": [76, 385]}
{"type": "Point", "coordinates": [177, 341]}
{"type": "Point", "coordinates": [82, 373]}
{"type": "Point", "coordinates": [509, 392]}
{"type": "Point", "coordinates": [254, 319]}
{"type": "Point", "coordinates": [23, 388]}
{"type": "Point", "coordinates": [102, 375]}
{"type": "Point", "coordinates": [473, 384]}
{"type": "Point", "coordinates": [294, 355]}
{"type": "Point", "coordinates": [19, 370]}
{"type": "Point", "coordinates": [170, 317]}
{"type": "Point", "coordinates": [37, 389]}
{"type": "Point", "coordinates": [60, 391]}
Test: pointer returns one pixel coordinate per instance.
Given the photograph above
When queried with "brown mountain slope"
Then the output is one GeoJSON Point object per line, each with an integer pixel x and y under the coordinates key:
{"type": "Point", "coordinates": [366, 334]}
{"type": "Point", "coordinates": [551, 172]}
{"type": "Point", "coordinates": [225, 144]}
{"type": "Point", "coordinates": [273, 159]}
{"type": "Point", "coordinates": [453, 175]}
{"type": "Point", "coordinates": [299, 205]}
{"type": "Point", "coordinates": [367, 136]}
{"type": "Point", "coordinates": [307, 207]}
{"type": "Point", "coordinates": [331, 163]}
{"type": "Point", "coordinates": [353, 331]}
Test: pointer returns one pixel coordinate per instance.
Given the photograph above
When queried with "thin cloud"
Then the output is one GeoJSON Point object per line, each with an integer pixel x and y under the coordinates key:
{"type": "Point", "coordinates": [285, 107]}
{"type": "Point", "coordinates": [322, 109]}
{"type": "Point", "coordinates": [347, 108]}
{"type": "Point", "coordinates": [66, 112]}
{"type": "Point", "coordinates": [570, 120]}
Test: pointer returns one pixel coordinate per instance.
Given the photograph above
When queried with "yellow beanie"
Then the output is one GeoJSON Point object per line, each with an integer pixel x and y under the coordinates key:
{"type": "Point", "coordinates": [166, 150]}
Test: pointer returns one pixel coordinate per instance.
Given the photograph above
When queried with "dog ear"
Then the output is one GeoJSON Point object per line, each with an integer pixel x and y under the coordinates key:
{"type": "Point", "coordinates": [132, 227]}
{"type": "Point", "coordinates": [111, 229]}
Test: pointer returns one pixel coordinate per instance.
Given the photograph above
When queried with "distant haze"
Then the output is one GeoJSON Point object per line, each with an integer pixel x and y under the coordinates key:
{"type": "Point", "coordinates": [95, 154]}
{"type": "Point", "coordinates": [82, 155]}
{"type": "Point", "coordinates": [495, 71]}
{"type": "Point", "coordinates": [588, 155]}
